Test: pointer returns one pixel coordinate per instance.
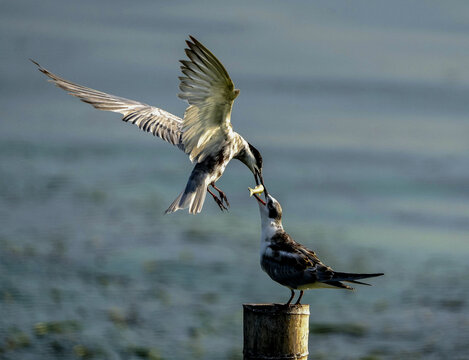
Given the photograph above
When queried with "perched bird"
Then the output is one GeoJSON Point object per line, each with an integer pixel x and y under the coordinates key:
{"type": "Point", "coordinates": [205, 133]}
{"type": "Point", "coordinates": [290, 263]}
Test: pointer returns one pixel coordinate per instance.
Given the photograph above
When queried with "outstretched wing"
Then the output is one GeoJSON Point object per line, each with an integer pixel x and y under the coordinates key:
{"type": "Point", "coordinates": [208, 89]}
{"type": "Point", "coordinates": [148, 118]}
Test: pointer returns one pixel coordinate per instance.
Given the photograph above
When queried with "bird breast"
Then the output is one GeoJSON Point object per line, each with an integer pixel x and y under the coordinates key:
{"type": "Point", "coordinates": [215, 165]}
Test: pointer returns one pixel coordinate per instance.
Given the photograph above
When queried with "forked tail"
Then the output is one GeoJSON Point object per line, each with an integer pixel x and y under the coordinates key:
{"type": "Point", "coordinates": [349, 277]}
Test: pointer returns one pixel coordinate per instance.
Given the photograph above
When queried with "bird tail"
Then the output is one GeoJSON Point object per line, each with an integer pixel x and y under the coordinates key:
{"type": "Point", "coordinates": [337, 284]}
{"type": "Point", "coordinates": [352, 278]}
{"type": "Point", "coordinates": [192, 197]}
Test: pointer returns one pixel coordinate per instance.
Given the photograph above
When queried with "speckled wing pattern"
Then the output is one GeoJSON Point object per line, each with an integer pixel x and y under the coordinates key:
{"type": "Point", "coordinates": [210, 93]}
{"type": "Point", "coordinates": [291, 264]}
{"type": "Point", "coordinates": [148, 118]}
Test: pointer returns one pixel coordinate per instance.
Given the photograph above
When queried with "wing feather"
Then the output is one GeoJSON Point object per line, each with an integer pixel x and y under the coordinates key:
{"type": "Point", "coordinates": [286, 268]}
{"type": "Point", "coordinates": [148, 118]}
{"type": "Point", "coordinates": [210, 93]}
{"type": "Point", "coordinates": [293, 265]}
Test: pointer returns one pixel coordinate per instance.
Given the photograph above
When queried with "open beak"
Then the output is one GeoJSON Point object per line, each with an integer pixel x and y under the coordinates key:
{"type": "Point", "coordinates": [258, 190]}
{"type": "Point", "coordinates": [260, 179]}
{"type": "Point", "coordinates": [258, 198]}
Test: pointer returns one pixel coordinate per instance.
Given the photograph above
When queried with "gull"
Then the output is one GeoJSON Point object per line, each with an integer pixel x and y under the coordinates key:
{"type": "Point", "coordinates": [205, 133]}
{"type": "Point", "coordinates": [291, 264]}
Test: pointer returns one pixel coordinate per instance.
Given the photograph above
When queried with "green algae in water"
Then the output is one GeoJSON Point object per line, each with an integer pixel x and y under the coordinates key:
{"type": "Point", "coordinates": [16, 340]}
{"type": "Point", "coordinates": [56, 327]}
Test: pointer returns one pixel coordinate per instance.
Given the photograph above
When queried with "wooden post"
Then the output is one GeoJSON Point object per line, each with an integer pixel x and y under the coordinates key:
{"type": "Point", "coordinates": [274, 331]}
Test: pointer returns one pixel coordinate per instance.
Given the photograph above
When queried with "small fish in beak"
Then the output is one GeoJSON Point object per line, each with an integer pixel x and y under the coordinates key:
{"type": "Point", "coordinates": [259, 189]}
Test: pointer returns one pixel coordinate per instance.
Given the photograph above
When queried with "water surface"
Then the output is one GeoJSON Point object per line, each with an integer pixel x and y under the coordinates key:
{"type": "Point", "coordinates": [361, 115]}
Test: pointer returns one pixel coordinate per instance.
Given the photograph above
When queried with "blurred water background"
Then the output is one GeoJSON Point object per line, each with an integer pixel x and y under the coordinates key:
{"type": "Point", "coordinates": [361, 112]}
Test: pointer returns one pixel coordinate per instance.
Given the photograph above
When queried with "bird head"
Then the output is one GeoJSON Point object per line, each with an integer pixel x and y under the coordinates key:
{"type": "Point", "coordinates": [255, 164]}
{"type": "Point", "coordinates": [270, 209]}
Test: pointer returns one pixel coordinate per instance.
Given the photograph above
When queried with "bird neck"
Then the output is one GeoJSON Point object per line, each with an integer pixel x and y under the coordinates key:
{"type": "Point", "coordinates": [270, 227]}
{"type": "Point", "coordinates": [245, 155]}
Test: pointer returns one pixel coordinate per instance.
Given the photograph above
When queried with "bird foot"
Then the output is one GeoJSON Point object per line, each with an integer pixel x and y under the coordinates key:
{"type": "Point", "coordinates": [218, 201]}
{"type": "Point", "coordinates": [291, 298]}
{"type": "Point", "coordinates": [221, 194]}
{"type": "Point", "coordinates": [301, 295]}
{"type": "Point", "coordinates": [224, 198]}
{"type": "Point", "coordinates": [220, 204]}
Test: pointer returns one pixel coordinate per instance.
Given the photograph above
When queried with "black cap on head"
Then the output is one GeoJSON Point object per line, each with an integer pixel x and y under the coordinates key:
{"type": "Point", "coordinates": [257, 155]}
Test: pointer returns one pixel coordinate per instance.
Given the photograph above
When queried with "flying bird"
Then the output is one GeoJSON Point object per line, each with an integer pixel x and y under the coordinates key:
{"type": "Point", "coordinates": [291, 264]}
{"type": "Point", "coordinates": [205, 133]}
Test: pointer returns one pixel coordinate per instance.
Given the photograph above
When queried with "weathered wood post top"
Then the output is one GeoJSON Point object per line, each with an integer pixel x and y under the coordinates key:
{"type": "Point", "coordinates": [275, 331]}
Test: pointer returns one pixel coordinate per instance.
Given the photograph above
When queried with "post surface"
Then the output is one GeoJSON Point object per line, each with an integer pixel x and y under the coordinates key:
{"type": "Point", "coordinates": [275, 331]}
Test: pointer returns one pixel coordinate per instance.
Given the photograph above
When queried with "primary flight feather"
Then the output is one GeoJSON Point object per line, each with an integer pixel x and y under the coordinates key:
{"type": "Point", "coordinates": [205, 133]}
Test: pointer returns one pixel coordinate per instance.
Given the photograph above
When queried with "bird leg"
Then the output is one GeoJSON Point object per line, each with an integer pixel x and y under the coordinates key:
{"type": "Point", "coordinates": [298, 301]}
{"type": "Point", "coordinates": [222, 194]}
{"type": "Point", "coordinates": [291, 297]}
{"type": "Point", "coordinates": [218, 201]}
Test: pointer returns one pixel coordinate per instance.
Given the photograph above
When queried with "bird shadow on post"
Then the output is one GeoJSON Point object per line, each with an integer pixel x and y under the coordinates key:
{"type": "Point", "coordinates": [275, 331]}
